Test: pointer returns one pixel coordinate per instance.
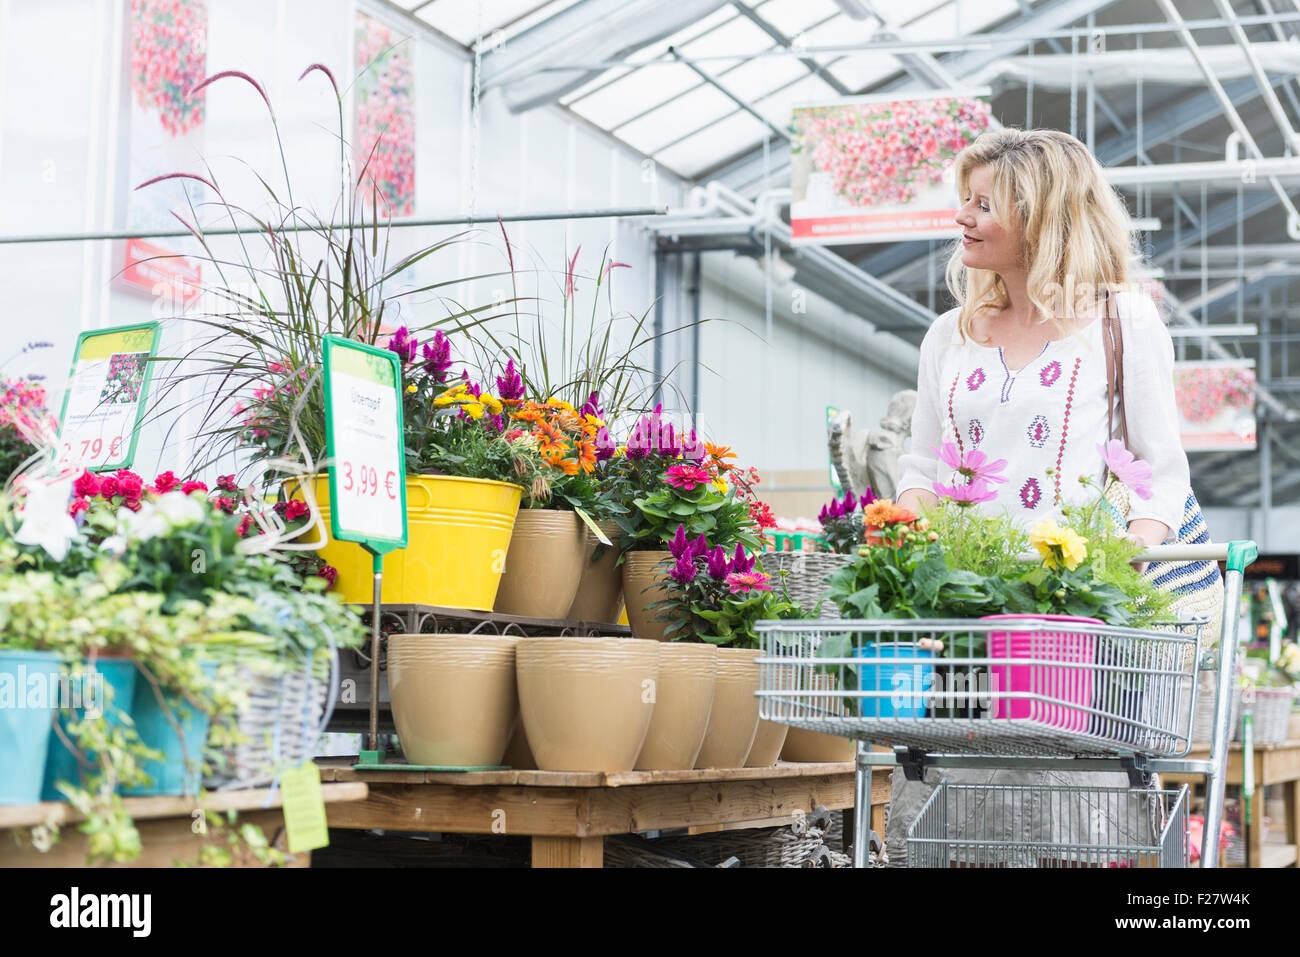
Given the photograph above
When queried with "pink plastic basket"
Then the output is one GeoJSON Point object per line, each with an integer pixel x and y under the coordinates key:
{"type": "Point", "coordinates": [1062, 684]}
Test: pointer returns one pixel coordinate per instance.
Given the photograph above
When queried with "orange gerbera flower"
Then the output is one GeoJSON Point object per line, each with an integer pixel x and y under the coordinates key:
{"type": "Point", "coordinates": [884, 512]}
{"type": "Point", "coordinates": [570, 467]}
{"type": "Point", "coordinates": [587, 456]}
{"type": "Point", "coordinates": [526, 415]}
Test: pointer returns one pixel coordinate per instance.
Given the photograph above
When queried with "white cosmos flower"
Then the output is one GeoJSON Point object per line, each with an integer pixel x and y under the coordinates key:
{"type": "Point", "coordinates": [46, 521]}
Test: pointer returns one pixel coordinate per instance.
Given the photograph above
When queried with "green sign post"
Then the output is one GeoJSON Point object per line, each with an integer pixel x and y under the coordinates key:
{"type": "Point", "coordinates": [104, 402]}
{"type": "Point", "coordinates": [367, 473]}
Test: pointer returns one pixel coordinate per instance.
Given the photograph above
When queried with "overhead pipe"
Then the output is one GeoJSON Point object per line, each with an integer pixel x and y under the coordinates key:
{"type": "Point", "coordinates": [1265, 87]}
{"type": "Point", "coordinates": [1230, 111]}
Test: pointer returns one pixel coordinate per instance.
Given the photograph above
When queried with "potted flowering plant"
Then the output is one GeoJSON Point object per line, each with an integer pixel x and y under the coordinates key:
{"type": "Point", "coordinates": [24, 422]}
{"type": "Point", "coordinates": [716, 598]}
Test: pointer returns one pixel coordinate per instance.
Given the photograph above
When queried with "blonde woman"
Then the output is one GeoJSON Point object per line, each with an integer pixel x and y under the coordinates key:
{"type": "Point", "coordinates": [1018, 369]}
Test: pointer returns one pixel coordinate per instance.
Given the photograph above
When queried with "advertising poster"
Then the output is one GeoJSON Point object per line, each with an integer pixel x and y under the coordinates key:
{"type": "Point", "coordinates": [384, 134]}
{"type": "Point", "coordinates": [168, 58]}
{"type": "Point", "coordinates": [1216, 404]}
{"type": "Point", "coordinates": [874, 169]}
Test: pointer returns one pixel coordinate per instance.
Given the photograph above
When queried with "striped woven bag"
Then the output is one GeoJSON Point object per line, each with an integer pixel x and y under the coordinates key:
{"type": "Point", "coordinates": [1197, 586]}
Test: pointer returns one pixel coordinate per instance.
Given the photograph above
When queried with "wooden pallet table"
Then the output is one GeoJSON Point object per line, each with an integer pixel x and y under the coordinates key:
{"type": "Point", "coordinates": [1275, 764]}
{"type": "Point", "coordinates": [167, 826]}
{"type": "Point", "coordinates": [568, 814]}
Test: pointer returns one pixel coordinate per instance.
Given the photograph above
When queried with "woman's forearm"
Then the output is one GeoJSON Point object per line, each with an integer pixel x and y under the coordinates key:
{"type": "Point", "coordinates": [1148, 531]}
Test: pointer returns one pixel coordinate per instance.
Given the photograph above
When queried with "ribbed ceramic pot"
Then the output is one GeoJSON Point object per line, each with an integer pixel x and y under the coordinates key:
{"type": "Point", "coordinates": [816, 746]}
{"type": "Point", "coordinates": [734, 720]}
{"type": "Point", "coordinates": [586, 703]}
{"type": "Point", "coordinates": [600, 592]}
{"type": "Point", "coordinates": [643, 585]}
{"type": "Point", "coordinates": [768, 742]}
{"type": "Point", "coordinates": [544, 565]}
{"type": "Point", "coordinates": [453, 697]}
{"type": "Point", "coordinates": [683, 702]}
{"type": "Point", "coordinates": [518, 755]}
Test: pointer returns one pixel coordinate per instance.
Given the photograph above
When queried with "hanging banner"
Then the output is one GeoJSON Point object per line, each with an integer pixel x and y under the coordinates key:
{"type": "Point", "coordinates": [874, 169]}
{"type": "Point", "coordinates": [365, 444]}
{"type": "Point", "coordinates": [384, 122]}
{"type": "Point", "coordinates": [106, 395]}
{"type": "Point", "coordinates": [1216, 404]}
{"type": "Point", "coordinates": [168, 58]}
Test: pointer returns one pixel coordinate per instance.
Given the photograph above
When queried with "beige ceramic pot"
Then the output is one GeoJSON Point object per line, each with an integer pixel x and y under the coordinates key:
{"type": "Point", "coordinates": [802, 745]}
{"type": "Point", "coordinates": [768, 742]}
{"type": "Point", "coordinates": [544, 565]}
{"type": "Point", "coordinates": [517, 754]}
{"type": "Point", "coordinates": [683, 701]}
{"type": "Point", "coordinates": [733, 722]}
{"type": "Point", "coordinates": [453, 697]}
{"type": "Point", "coordinates": [586, 703]}
{"type": "Point", "coordinates": [643, 585]}
{"type": "Point", "coordinates": [600, 592]}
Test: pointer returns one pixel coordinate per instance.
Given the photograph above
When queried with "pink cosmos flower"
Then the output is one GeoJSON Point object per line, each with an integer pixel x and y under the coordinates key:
{"type": "Point", "coordinates": [966, 495]}
{"type": "Point", "coordinates": [973, 464]}
{"type": "Point", "coordinates": [686, 477]}
{"type": "Point", "coordinates": [1128, 468]}
{"type": "Point", "coordinates": [741, 582]}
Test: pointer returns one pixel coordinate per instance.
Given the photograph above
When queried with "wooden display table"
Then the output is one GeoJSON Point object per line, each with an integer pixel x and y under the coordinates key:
{"type": "Point", "coordinates": [166, 824]}
{"type": "Point", "coordinates": [1274, 764]}
{"type": "Point", "coordinates": [568, 814]}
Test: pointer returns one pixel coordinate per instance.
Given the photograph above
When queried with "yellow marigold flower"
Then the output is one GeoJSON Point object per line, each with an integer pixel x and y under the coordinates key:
{"type": "Point", "coordinates": [473, 409]}
{"type": "Point", "coordinates": [1058, 546]}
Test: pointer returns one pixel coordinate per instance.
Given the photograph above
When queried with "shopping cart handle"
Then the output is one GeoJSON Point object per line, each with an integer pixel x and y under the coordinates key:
{"type": "Point", "coordinates": [1237, 554]}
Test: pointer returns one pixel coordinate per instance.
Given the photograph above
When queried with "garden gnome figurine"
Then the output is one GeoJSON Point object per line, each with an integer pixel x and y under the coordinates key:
{"type": "Point", "coordinates": [869, 458]}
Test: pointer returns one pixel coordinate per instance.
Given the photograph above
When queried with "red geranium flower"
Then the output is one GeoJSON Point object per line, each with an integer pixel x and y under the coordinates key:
{"type": "Point", "coordinates": [87, 486]}
{"type": "Point", "coordinates": [108, 486]}
{"type": "Point", "coordinates": [295, 510]}
{"type": "Point", "coordinates": [226, 483]}
{"type": "Point", "coordinates": [193, 486]}
{"type": "Point", "coordinates": [165, 482]}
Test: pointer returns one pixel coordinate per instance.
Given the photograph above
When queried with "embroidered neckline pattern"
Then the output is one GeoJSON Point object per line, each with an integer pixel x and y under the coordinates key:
{"type": "Point", "coordinates": [1010, 380]}
{"type": "Point", "coordinates": [1065, 427]}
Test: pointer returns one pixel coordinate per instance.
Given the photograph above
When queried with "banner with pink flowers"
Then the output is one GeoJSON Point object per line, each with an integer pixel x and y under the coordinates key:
{"type": "Point", "coordinates": [1216, 404]}
{"type": "Point", "coordinates": [871, 169]}
{"type": "Point", "coordinates": [167, 57]}
{"type": "Point", "coordinates": [384, 136]}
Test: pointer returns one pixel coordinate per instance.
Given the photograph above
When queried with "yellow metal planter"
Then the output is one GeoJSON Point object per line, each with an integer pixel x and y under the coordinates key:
{"type": "Point", "coordinates": [458, 536]}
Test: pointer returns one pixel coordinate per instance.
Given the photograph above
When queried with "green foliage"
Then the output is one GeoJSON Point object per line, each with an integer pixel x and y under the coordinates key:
{"type": "Point", "coordinates": [659, 508]}
{"type": "Point", "coordinates": [707, 609]}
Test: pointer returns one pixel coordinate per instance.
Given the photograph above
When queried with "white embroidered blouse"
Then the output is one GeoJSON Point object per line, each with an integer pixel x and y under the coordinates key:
{"type": "Point", "coordinates": [1050, 415]}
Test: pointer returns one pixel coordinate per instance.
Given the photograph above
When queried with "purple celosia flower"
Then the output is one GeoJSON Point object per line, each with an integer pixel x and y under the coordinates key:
{"type": "Point", "coordinates": [692, 448]}
{"type": "Point", "coordinates": [591, 406]}
{"type": "Point", "coordinates": [510, 386]}
{"type": "Point", "coordinates": [740, 562]}
{"type": "Point", "coordinates": [684, 571]}
{"type": "Point", "coordinates": [402, 343]}
{"type": "Point", "coordinates": [680, 544]}
{"type": "Point", "coordinates": [638, 443]}
{"type": "Point", "coordinates": [605, 447]}
{"type": "Point", "coordinates": [699, 546]}
{"type": "Point", "coordinates": [717, 566]}
{"type": "Point", "coordinates": [437, 356]}
{"type": "Point", "coordinates": [668, 444]}
{"type": "Point", "coordinates": [850, 503]}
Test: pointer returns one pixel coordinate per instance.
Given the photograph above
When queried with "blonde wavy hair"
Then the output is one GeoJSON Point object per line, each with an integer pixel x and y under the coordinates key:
{"type": "Point", "coordinates": [1076, 237]}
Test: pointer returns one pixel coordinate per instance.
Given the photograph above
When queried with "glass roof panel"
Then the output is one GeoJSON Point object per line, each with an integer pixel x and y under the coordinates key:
{"type": "Point", "coordinates": [600, 82]}
{"type": "Point", "coordinates": [459, 19]}
{"type": "Point", "coordinates": [792, 17]}
{"type": "Point", "coordinates": [685, 35]}
{"type": "Point", "coordinates": [635, 93]}
{"type": "Point", "coordinates": [706, 148]}
{"type": "Point", "coordinates": [762, 75]}
{"type": "Point", "coordinates": [738, 36]}
{"type": "Point", "coordinates": [861, 71]}
{"type": "Point", "coordinates": [676, 117]}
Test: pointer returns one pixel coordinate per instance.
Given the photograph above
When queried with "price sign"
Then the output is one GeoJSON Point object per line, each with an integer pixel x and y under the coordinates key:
{"type": "Point", "coordinates": [363, 419]}
{"type": "Point", "coordinates": [105, 399]}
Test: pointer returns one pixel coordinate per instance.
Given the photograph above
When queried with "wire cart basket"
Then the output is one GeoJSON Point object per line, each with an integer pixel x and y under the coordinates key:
{"type": "Point", "coordinates": [1019, 692]}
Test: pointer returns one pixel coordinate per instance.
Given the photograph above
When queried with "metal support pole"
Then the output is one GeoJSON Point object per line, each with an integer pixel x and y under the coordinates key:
{"type": "Point", "coordinates": [862, 808]}
{"type": "Point", "coordinates": [374, 658]}
{"type": "Point", "coordinates": [1265, 87]}
{"type": "Point", "coordinates": [1219, 737]}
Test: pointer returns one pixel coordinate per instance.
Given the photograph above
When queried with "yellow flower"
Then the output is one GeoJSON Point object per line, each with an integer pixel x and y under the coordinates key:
{"type": "Point", "coordinates": [410, 388]}
{"type": "Point", "coordinates": [620, 451]}
{"type": "Point", "coordinates": [1058, 546]}
{"type": "Point", "coordinates": [454, 394]}
{"type": "Point", "coordinates": [491, 403]}
{"type": "Point", "coordinates": [720, 484]}
{"type": "Point", "coordinates": [474, 409]}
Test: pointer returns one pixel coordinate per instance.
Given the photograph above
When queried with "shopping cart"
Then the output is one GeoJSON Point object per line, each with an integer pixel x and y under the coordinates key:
{"type": "Point", "coordinates": [1018, 692]}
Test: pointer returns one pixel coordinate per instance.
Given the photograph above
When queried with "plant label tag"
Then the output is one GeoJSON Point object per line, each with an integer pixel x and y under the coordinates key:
{"type": "Point", "coordinates": [304, 808]}
{"type": "Point", "coordinates": [105, 399]}
{"type": "Point", "coordinates": [363, 414]}
{"type": "Point", "coordinates": [595, 529]}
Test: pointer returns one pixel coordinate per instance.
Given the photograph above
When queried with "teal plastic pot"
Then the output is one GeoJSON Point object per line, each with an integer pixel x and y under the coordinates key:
{"type": "Point", "coordinates": [100, 676]}
{"type": "Point", "coordinates": [27, 678]}
{"type": "Point", "coordinates": [174, 774]}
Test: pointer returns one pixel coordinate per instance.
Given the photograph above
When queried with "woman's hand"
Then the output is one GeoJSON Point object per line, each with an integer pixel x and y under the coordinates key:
{"type": "Point", "coordinates": [1146, 532]}
{"type": "Point", "coordinates": [917, 499]}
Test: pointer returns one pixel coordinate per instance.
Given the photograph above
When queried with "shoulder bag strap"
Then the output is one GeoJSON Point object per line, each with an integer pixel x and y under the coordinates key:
{"type": "Point", "coordinates": [1113, 339]}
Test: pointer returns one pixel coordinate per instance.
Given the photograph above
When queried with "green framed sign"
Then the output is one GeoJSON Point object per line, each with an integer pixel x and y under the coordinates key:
{"type": "Point", "coordinates": [104, 403]}
{"type": "Point", "coordinates": [365, 444]}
